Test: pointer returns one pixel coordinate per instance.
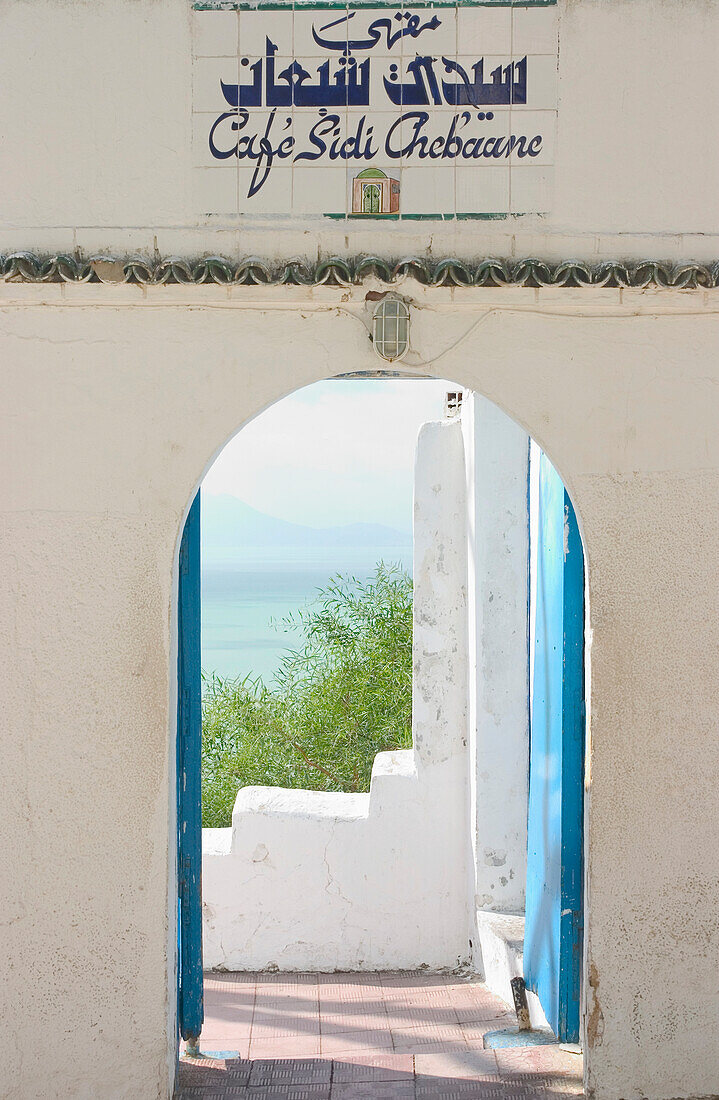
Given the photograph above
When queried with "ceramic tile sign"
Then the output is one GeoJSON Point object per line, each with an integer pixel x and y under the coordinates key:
{"type": "Point", "coordinates": [374, 112]}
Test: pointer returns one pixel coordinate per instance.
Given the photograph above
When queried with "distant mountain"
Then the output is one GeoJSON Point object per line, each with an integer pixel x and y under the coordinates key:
{"type": "Point", "coordinates": [230, 524]}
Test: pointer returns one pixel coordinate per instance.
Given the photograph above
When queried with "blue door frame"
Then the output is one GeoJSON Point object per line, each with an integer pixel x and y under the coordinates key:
{"type": "Point", "coordinates": [190, 1007]}
{"type": "Point", "coordinates": [554, 921]}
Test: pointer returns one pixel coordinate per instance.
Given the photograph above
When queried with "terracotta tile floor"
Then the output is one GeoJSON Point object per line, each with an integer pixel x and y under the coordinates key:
{"type": "Point", "coordinates": [348, 1036]}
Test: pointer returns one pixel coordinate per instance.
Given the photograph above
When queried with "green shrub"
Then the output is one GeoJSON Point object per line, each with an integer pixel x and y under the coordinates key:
{"type": "Point", "coordinates": [336, 702]}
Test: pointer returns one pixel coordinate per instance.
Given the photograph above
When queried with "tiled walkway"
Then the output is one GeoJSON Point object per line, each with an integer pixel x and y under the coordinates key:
{"type": "Point", "coordinates": [345, 1036]}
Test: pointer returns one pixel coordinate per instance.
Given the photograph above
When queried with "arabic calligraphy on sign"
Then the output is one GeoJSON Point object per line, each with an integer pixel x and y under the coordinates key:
{"type": "Point", "coordinates": [345, 82]}
{"type": "Point", "coordinates": [412, 29]}
{"type": "Point", "coordinates": [372, 90]}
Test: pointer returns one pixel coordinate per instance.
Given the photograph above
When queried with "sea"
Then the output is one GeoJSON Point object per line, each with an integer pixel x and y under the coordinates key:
{"type": "Point", "coordinates": [245, 600]}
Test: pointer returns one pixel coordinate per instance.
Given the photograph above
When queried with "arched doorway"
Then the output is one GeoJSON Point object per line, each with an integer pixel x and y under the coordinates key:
{"type": "Point", "coordinates": [554, 946]}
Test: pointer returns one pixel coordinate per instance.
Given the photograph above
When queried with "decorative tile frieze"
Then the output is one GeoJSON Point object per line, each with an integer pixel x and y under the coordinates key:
{"type": "Point", "coordinates": [28, 267]}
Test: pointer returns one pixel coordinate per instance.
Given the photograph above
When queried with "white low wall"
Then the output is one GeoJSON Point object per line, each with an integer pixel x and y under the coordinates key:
{"type": "Point", "coordinates": [312, 880]}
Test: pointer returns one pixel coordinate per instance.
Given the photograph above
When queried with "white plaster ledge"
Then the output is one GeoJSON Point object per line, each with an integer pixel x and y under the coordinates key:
{"type": "Point", "coordinates": [398, 765]}
{"type": "Point", "coordinates": [400, 762]}
{"type": "Point", "coordinates": [501, 939]}
{"type": "Point", "coordinates": [321, 806]}
{"type": "Point", "coordinates": [284, 802]}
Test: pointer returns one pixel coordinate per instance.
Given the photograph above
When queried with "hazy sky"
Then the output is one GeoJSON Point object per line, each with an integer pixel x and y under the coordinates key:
{"type": "Point", "coordinates": [332, 453]}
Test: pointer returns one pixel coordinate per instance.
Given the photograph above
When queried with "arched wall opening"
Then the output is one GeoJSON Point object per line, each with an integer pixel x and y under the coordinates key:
{"type": "Point", "coordinates": [618, 390]}
{"type": "Point", "coordinates": [470, 926]}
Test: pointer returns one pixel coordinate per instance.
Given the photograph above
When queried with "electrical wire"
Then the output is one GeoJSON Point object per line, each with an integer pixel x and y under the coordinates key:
{"type": "Point", "coordinates": [624, 315]}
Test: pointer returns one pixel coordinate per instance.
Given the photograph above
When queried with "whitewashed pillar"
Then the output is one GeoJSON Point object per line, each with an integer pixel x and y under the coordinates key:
{"type": "Point", "coordinates": [497, 533]}
{"type": "Point", "coordinates": [439, 692]}
{"type": "Point", "coordinates": [439, 682]}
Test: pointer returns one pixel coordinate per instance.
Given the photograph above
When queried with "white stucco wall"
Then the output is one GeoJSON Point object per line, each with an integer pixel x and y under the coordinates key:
{"type": "Point", "coordinates": [115, 400]}
{"type": "Point", "coordinates": [497, 468]}
{"type": "Point", "coordinates": [307, 880]}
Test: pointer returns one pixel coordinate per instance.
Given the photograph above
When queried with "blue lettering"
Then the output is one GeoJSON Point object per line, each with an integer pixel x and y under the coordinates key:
{"type": "Point", "coordinates": [325, 126]}
{"type": "Point", "coordinates": [223, 154]}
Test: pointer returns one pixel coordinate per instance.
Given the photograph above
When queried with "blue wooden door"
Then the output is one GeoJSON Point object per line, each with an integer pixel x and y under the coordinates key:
{"type": "Point", "coordinates": [553, 929]}
{"type": "Point", "coordinates": [189, 806]}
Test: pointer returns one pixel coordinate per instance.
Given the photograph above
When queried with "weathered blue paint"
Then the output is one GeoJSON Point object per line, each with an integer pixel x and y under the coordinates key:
{"type": "Point", "coordinates": [189, 795]}
{"type": "Point", "coordinates": [553, 930]}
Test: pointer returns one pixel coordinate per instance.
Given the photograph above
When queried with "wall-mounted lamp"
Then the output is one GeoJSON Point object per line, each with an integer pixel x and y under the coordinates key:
{"type": "Point", "coordinates": [390, 329]}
